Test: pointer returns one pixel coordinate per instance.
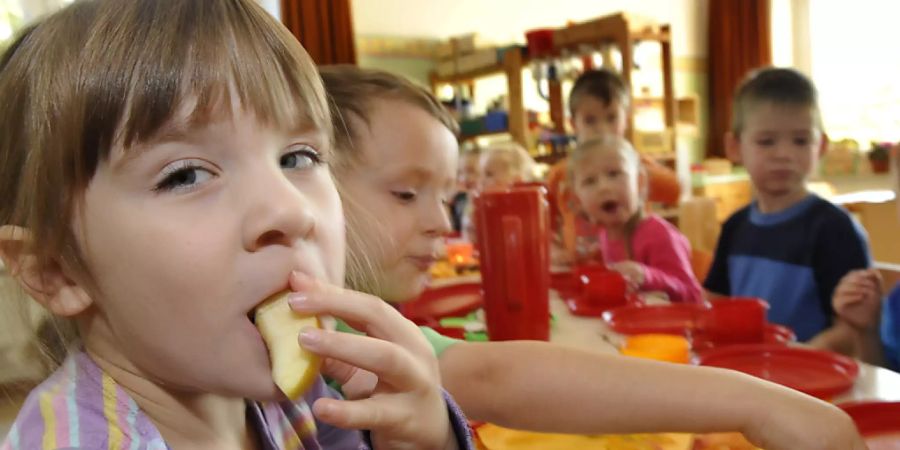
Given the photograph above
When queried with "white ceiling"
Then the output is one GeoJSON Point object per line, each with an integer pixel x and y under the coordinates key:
{"type": "Point", "coordinates": [504, 21]}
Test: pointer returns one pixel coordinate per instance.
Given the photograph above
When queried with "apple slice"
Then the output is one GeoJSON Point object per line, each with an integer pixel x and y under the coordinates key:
{"type": "Point", "coordinates": [293, 368]}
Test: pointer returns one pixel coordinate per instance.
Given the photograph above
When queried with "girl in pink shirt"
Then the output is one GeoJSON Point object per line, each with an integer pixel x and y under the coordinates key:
{"type": "Point", "coordinates": [649, 251]}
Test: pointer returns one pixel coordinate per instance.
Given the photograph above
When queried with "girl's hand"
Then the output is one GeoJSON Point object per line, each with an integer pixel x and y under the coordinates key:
{"type": "Point", "coordinates": [857, 299]}
{"type": "Point", "coordinates": [390, 376]}
{"type": "Point", "coordinates": [632, 271]}
{"type": "Point", "coordinates": [790, 420]}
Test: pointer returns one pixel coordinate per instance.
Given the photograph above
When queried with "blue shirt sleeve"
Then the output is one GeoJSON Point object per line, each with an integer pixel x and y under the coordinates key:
{"type": "Point", "coordinates": [841, 247]}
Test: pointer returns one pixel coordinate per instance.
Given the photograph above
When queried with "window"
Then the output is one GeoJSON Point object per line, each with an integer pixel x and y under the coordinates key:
{"type": "Point", "coordinates": [852, 58]}
{"type": "Point", "coordinates": [10, 19]}
{"type": "Point", "coordinates": [855, 65]}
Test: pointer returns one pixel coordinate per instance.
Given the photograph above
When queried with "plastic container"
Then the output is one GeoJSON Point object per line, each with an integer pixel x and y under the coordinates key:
{"type": "Point", "coordinates": [513, 247]}
{"type": "Point", "coordinates": [540, 42]}
{"type": "Point", "coordinates": [601, 287]}
{"type": "Point", "coordinates": [738, 320]}
{"type": "Point", "coordinates": [659, 347]}
{"type": "Point", "coordinates": [496, 121]}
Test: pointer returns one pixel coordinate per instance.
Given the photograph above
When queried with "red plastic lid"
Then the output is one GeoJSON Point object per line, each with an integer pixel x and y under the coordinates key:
{"type": "Point", "coordinates": [446, 301]}
{"type": "Point", "coordinates": [675, 318]}
{"type": "Point", "coordinates": [876, 418]}
{"type": "Point", "coordinates": [818, 373]}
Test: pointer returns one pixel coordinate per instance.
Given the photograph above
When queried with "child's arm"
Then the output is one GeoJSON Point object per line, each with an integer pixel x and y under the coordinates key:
{"type": "Point", "coordinates": [389, 376]}
{"type": "Point", "coordinates": [546, 387]}
{"type": "Point", "coordinates": [666, 265]}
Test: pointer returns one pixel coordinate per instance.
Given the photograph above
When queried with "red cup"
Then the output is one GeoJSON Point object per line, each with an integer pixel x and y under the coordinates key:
{"type": "Point", "coordinates": [601, 287]}
{"type": "Point", "coordinates": [734, 320]}
{"type": "Point", "coordinates": [514, 247]}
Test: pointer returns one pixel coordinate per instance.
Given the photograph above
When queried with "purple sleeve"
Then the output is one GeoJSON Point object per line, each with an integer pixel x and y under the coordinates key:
{"type": "Point", "coordinates": [459, 424]}
{"type": "Point", "coordinates": [331, 437]}
{"type": "Point", "coordinates": [666, 257]}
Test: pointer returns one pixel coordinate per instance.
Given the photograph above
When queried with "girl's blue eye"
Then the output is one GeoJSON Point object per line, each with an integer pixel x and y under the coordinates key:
{"type": "Point", "coordinates": [303, 158]}
{"type": "Point", "coordinates": [182, 175]}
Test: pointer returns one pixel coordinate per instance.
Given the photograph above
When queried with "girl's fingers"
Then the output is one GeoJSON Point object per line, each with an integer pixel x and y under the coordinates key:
{"type": "Point", "coordinates": [389, 362]}
{"type": "Point", "coordinates": [366, 313]}
{"type": "Point", "coordinates": [355, 382]}
{"type": "Point", "coordinates": [367, 414]}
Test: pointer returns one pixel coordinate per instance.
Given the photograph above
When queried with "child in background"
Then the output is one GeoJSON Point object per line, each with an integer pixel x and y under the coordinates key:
{"type": "Point", "coordinates": [394, 170]}
{"type": "Point", "coordinates": [503, 165]}
{"type": "Point", "coordinates": [789, 246]}
{"type": "Point", "coordinates": [599, 106]}
{"type": "Point", "coordinates": [468, 179]}
{"type": "Point", "coordinates": [876, 325]}
{"type": "Point", "coordinates": [648, 251]}
{"type": "Point", "coordinates": [185, 140]}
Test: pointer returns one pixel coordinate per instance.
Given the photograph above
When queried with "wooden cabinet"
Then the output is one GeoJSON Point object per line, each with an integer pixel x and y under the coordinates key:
{"type": "Point", "coordinates": [729, 196]}
{"type": "Point", "coordinates": [881, 224]}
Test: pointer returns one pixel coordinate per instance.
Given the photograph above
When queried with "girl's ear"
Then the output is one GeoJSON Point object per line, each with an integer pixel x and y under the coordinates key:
{"type": "Point", "coordinates": [48, 284]}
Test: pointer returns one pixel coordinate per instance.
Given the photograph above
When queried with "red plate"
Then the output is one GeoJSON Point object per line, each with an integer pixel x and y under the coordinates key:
{"type": "Point", "coordinates": [675, 318]}
{"type": "Point", "coordinates": [772, 334]}
{"type": "Point", "coordinates": [818, 373]}
{"type": "Point", "coordinates": [447, 301]}
{"type": "Point", "coordinates": [875, 420]}
{"type": "Point", "coordinates": [580, 308]}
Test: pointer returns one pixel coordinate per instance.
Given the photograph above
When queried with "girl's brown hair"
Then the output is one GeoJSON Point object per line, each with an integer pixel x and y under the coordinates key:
{"type": "Point", "coordinates": [104, 74]}
{"type": "Point", "coordinates": [352, 92]}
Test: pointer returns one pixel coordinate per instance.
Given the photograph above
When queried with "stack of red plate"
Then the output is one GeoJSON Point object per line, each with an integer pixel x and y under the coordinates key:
{"type": "Point", "coordinates": [819, 373]}
{"type": "Point", "coordinates": [688, 320]}
{"type": "Point", "coordinates": [447, 301]}
{"type": "Point", "coordinates": [878, 422]}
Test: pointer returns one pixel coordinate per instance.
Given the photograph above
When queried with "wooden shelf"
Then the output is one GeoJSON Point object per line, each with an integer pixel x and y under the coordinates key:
{"type": "Point", "coordinates": [472, 75]}
{"type": "Point", "coordinates": [608, 29]}
{"type": "Point", "coordinates": [514, 60]}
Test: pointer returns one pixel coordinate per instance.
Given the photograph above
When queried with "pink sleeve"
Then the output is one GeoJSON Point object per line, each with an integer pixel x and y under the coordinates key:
{"type": "Point", "coordinates": [666, 256]}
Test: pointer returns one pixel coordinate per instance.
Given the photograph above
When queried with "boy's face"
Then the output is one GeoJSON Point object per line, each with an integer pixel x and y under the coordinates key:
{"type": "Point", "coordinates": [779, 146]}
{"type": "Point", "coordinates": [498, 171]}
{"type": "Point", "coordinates": [186, 235]}
{"type": "Point", "coordinates": [594, 118]}
{"type": "Point", "coordinates": [607, 187]}
{"type": "Point", "coordinates": [396, 196]}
